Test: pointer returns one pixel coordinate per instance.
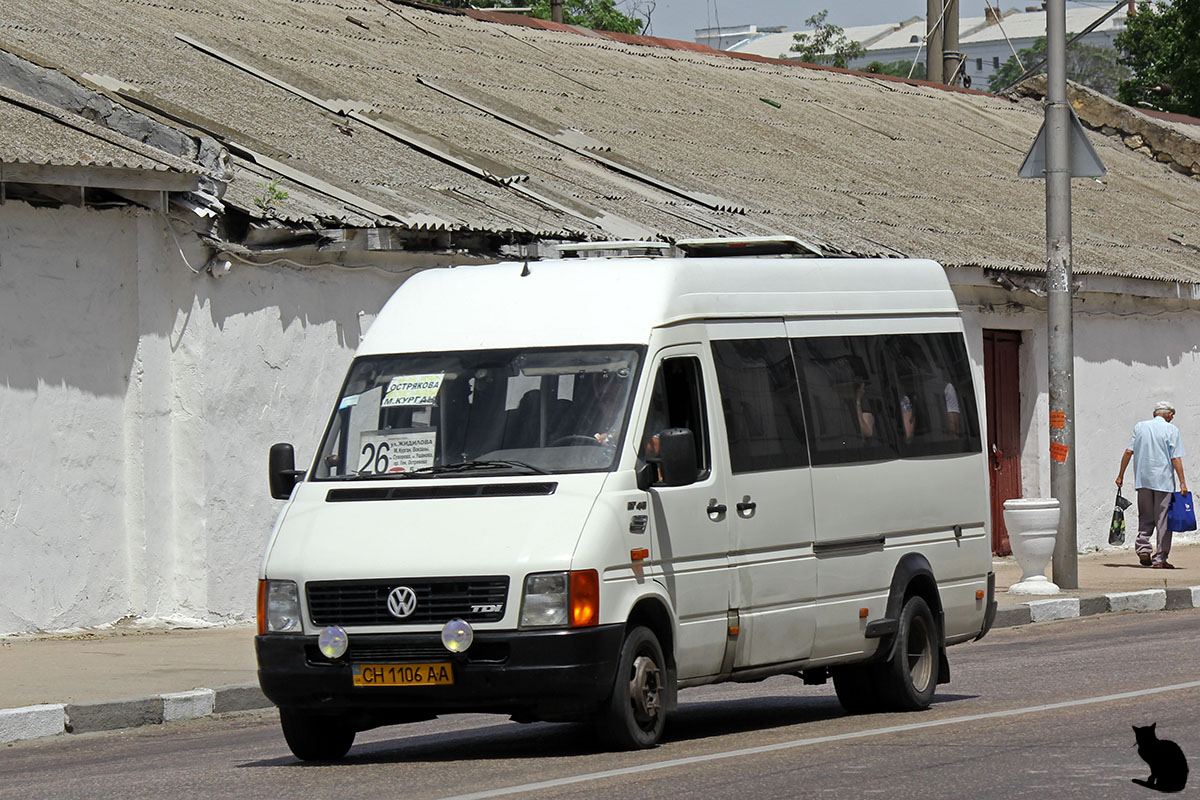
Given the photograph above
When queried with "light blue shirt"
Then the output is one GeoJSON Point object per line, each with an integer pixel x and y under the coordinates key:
{"type": "Point", "coordinates": [1155, 442]}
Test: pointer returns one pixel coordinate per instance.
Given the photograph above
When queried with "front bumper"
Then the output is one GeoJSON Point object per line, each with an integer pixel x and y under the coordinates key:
{"type": "Point", "coordinates": [555, 674]}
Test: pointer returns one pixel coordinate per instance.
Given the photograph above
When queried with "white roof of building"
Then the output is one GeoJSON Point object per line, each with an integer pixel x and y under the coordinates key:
{"type": "Point", "coordinates": [902, 36]}
{"type": "Point", "coordinates": [1030, 25]}
{"type": "Point", "coordinates": [1022, 25]}
{"type": "Point", "coordinates": [772, 45]}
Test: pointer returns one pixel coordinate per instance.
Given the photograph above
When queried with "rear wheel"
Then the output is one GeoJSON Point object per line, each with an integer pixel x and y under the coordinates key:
{"type": "Point", "coordinates": [633, 716]}
{"type": "Point", "coordinates": [315, 737]}
{"type": "Point", "coordinates": [908, 680]}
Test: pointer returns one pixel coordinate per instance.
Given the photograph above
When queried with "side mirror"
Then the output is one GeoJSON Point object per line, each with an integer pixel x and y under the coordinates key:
{"type": "Point", "coordinates": [281, 470]}
{"type": "Point", "coordinates": [676, 457]}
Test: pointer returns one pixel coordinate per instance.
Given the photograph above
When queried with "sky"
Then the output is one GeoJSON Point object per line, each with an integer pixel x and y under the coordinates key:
{"type": "Point", "coordinates": [678, 19]}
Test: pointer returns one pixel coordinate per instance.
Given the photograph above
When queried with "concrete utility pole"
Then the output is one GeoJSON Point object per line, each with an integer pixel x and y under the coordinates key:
{"type": "Point", "coordinates": [1058, 279]}
{"type": "Point", "coordinates": [941, 40]}
{"type": "Point", "coordinates": [951, 58]}
{"type": "Point", "coordinates": [556, 11]}
{"type": "Point", "coordinates": [933, 40]}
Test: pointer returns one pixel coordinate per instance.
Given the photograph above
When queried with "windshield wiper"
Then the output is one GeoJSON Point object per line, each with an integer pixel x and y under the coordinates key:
{"type": "Point", "coordinates": [467, 466]}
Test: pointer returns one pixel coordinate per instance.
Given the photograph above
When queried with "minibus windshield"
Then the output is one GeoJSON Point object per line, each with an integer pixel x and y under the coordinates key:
{"type": "Point", "coordinates": [463, 414]}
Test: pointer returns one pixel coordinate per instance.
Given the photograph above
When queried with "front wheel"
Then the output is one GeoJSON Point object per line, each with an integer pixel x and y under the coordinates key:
{"type": "Point", "coordinates": [315, 737]}
{"type": "Point", "coordinates": [633, 717]}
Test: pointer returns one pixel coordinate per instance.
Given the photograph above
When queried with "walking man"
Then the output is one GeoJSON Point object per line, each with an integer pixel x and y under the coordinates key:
{"type": "Point", "coordinates": [1156, 450]}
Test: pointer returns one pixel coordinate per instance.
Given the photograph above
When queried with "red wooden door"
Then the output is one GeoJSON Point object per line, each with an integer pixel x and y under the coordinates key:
{"type": "Point", "coordinates": [1001, 381]}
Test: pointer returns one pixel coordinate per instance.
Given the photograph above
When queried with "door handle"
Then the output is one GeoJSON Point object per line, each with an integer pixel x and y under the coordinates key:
{"type": "Point", "coordinates": [716, 510]}
{"type": "Point", "coordinates": [745, 509]}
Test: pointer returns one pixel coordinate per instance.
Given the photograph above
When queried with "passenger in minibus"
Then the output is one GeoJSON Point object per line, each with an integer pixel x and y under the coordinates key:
{"type": "Point", "coordinates": [866, 419]}
{"type": "Point", "coordinates": [953, 414]}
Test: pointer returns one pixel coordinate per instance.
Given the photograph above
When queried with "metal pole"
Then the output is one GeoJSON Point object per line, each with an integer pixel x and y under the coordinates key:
{"type": "Point", "coordinates": [1058, 278]}
{"type": "Point", "coordinates": [933, 40]}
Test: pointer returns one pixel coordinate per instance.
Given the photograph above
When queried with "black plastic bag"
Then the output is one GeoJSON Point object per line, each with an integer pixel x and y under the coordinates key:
{"type": "Point", "coordinates": [1116, 531]}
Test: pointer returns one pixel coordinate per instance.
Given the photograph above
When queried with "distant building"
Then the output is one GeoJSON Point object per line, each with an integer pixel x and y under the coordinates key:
{"type": "Point", "coordinates": [986, 41]}
{"type": "Point", "coordinates": [730, 38]}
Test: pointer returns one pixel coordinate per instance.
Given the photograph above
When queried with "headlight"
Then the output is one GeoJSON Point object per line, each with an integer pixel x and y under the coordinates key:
{"type": "Point", "coordinates": [280, 607]}
{"type": "Point", "coordinates": [558, 599]}
{"type": "Point", "coordinates": [544, 602]}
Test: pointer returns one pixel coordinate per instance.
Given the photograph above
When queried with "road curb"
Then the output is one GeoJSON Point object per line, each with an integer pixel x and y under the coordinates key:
{"type": "Point", "coordinates": [31, 722]}
{"type": "Point", "coordinates": [36, 722]}
{"type": "Point", "coordinates": [1049, 609]}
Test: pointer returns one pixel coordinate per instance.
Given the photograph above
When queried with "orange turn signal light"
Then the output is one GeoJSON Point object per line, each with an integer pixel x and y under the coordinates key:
{"type": "Point", "coordinates": [979, 594]}
{"type": "Point", "coordinates": [585, 598]}
{"type": "Point", "coordinates": [639, 554]}
{"type": "Point", "coordinates": [863, 613]}
{"type": "Point", "coordinates": [734, 630]}
{"type": "Point", "coordinates": [262, 607]}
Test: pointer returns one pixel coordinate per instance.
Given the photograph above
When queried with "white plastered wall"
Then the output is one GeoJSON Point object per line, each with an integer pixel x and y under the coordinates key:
{"type": "Point", "coordinates": [139, 400]}
{"type": "Point", "coordinates": [1130, 352]}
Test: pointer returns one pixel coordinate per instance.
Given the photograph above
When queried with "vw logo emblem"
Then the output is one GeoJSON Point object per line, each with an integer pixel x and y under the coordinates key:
{"type": "Point", "coordinates": [401, 602]}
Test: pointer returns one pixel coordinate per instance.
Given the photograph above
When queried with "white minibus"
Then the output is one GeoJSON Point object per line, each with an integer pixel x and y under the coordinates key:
{"type": "Point", "coordinates": [565, 489]}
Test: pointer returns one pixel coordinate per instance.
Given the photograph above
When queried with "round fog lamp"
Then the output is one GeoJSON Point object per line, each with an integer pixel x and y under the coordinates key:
{"type": "Point", "coordinates": [333, 642]}
{"type": "Point", "coordinates": [457, 636]}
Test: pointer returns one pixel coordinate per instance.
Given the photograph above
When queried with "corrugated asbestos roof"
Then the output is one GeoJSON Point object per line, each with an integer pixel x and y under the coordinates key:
{"type": "Point", "coordinates": [432, 120]}
{"type": "Point", "coordinates": [36, 133]}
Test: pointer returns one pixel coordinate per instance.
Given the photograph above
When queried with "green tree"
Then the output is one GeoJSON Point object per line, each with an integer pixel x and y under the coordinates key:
{"type": "Point", "coordinates": [826, 44]}
{"type": "Point", "coordinates": [599, 15]}
{"type": "Point", "coordinates": [1159, 47]}
{"type": "Point", "coordinates": [1094, 67]}
{"type": "Point", "coordinates": [899, 69]}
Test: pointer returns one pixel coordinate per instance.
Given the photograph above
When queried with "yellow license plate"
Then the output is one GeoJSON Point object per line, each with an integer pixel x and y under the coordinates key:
{"type": "Point", "coordinates": [403, 674]}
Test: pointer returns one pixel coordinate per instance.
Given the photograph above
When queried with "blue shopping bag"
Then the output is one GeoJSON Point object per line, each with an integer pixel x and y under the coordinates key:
{"type": "Point", "coordinates": [1181, 516]}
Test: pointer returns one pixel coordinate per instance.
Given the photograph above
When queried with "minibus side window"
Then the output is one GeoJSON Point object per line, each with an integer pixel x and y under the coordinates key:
{"type": "Point", "coordinates": [932, 376]}
{"type": "Point", "coordinates": [848, 405]}
{"type": "Point", "coordinates": [876, 398]}
{"type": "Point", "coordinates": [760, 399]}
{"type": "Point", "coordinates": [677, 401]}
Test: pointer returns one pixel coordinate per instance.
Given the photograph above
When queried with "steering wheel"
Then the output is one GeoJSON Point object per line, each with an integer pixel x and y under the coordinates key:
{"type": "Point", "coordinates": [575, 439]}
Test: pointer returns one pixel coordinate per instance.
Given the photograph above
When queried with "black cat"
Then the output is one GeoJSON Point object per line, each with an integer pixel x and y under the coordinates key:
{"type": "Point", "coordinates": [1168, 767]}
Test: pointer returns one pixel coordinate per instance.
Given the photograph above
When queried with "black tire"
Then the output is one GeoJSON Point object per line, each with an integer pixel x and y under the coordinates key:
{"type": "Point", "coordinates": [633, 717]}
{"type": "Point", "coordinates": [857, 688]}
{"type": "Point", "coordinates": [908, 680]}
{"type": "Point", "coordinates": [315, 737]}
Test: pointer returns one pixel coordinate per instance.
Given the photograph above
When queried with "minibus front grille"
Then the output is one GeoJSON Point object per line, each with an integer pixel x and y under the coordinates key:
{"type": "Point", "coordinates": [438, 600]}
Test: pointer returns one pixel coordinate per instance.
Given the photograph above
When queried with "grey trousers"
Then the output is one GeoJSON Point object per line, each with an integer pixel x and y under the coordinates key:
{"type": "Point", "coordinates": [1152, 515]}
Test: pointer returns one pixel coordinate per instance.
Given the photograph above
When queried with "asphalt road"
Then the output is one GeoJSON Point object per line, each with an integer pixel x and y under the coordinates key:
{"type": "Point", "coordinates": [1041, 711]}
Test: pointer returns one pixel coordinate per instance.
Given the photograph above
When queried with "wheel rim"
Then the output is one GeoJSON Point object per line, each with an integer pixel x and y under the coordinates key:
{"type": "Point", "coordinates": [645, 692]}
{"type": "Point", "coordinates": [920, 654]}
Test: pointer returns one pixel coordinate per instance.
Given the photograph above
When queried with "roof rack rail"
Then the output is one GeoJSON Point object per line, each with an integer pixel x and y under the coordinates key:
{"type": "Point", "coordinates": [748, 246]}
{"type": "Point", "coordinates": [624, 247]}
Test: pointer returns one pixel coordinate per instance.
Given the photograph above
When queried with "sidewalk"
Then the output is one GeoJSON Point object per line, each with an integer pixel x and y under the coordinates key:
{"type": "Point", "coordinates": [112, 680]}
